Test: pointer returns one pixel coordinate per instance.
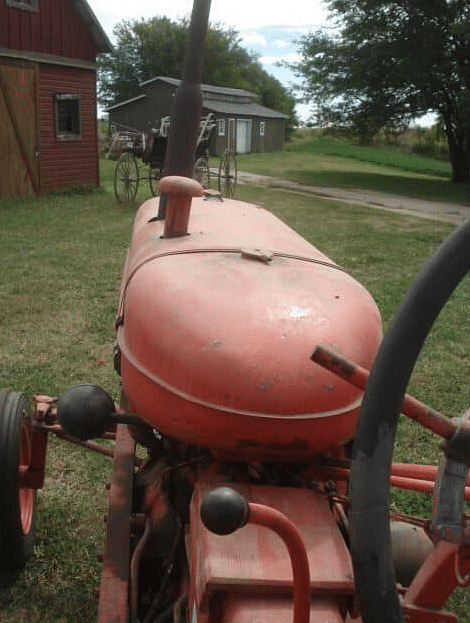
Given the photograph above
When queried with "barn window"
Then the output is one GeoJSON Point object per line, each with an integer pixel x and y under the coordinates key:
{"type": "Point", "coordinates": [28, 5]}
{"type": "Point", "coordinates": [221, 127]}
{"type": "Point", "coordinates": [68, 116]}
{"type": "Point", "coordinates": [262, 128]}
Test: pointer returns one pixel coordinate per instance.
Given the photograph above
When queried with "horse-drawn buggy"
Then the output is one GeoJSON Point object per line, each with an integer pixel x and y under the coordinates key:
{"type": "Point", "coordinates": [260, 490]}
{"type": "Point", "coordinates": [150, 149]}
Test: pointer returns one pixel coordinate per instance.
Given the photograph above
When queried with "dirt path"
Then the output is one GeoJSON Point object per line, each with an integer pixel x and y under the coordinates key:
{"type": "Point", "coordinates": [440, 211]}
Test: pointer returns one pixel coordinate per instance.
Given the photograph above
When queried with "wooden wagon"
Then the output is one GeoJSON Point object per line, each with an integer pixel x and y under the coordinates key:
{"type": "Point", "coordinates": [150, 148]}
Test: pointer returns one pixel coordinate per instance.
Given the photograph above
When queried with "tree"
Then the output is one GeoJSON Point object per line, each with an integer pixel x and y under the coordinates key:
{"type": "Point", "coordinates": [392, 61]}
{"type": "Point", "coordinates": [145, 49]}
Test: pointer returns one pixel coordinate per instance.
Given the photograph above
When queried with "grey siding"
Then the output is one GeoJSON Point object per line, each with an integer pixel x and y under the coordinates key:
{"type": "Point", "coordinates": [156, 101]}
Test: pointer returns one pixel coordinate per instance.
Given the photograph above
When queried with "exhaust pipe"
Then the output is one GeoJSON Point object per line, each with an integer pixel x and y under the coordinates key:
{"type": "Point", "coordinates": [187, 108]}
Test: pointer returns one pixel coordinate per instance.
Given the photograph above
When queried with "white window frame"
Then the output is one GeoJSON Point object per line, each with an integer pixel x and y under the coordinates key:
{"type": "Point", "coordinates": [262, 128]}
{"type": "Point", "coordinates": [221, 127]}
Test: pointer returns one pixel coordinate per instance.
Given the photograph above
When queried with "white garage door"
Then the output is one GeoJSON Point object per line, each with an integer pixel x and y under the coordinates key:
{"type": "Point", "coordinates": [243, 136]}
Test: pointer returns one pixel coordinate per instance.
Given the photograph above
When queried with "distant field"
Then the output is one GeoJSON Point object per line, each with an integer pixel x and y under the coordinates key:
{"type": "Point", "coordinates": [375, 155]}
{"type": "Point", "coordinates": [337, 163]}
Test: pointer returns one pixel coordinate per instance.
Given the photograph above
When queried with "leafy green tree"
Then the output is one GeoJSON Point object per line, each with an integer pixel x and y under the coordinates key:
{"type": "Point", "coordinates": [145, 49]}
{"type": "Point", "coordinates": [391, 61]}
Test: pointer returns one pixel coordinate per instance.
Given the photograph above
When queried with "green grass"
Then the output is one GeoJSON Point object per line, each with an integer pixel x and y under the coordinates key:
{"type": "Point", "coordinates": [340, 164]}
{"type": "Point", "coordinates": [62, 257]}
{"type": "Point", "coordinates": [375, 155]}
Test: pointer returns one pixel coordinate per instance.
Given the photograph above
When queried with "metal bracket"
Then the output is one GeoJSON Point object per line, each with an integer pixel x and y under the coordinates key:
{"type": "Point", "coordinates": [448, 519]}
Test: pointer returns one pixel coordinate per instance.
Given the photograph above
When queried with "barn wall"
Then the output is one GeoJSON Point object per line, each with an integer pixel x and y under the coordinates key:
{"type": "Point", "coordinates": [273, 139]}
{"type": "Point", "coordinates": [131, 116]}
{"type": "Point", "coordinates": [145, 114]}
{"type": "Point", "coordinates": [160, 98]}
{"type": "Point", "coordinates": [69, 162]}
{"type": "Point", "coordinates": [54, 28]}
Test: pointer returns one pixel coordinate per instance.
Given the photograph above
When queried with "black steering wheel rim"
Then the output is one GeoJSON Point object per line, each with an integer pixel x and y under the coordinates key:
{"type": "Point", "coordinates": [375, 436]}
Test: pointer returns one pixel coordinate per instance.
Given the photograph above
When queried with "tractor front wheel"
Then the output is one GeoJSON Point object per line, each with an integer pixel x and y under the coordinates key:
{"type": "Point", "coordinates": [17, 503]}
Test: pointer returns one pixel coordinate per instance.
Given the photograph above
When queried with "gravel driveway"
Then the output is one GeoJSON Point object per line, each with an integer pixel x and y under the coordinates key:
{"type": "Point", "coordinates": [437, 210]}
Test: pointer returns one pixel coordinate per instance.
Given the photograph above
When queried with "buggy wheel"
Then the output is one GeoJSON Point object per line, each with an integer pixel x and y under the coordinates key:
{"type": "Point", "coordinates": [155, 175]}
{"type": "Point", "coordinates": [202, 173]}
{"type": "Point", "coordinates": [17, 503]}
{"type": "Point", "coordinates": [228, 174]}
{"type": "Point", "coordinates": [126, 178]}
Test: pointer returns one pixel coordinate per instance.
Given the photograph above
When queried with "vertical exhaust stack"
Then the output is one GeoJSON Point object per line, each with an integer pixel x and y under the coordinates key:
{"type": "Point", "coordinates": [187, 108]}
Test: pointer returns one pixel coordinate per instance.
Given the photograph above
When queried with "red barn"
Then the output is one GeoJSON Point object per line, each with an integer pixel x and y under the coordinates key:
{"type": "Point", "coordinates": [48, 125]}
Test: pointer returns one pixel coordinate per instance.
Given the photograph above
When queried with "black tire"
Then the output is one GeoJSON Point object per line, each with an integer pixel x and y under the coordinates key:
{"type": "Point", "coordinates": [126, 178]}
{"type": "Point", "coordinates": [17, 504]}
{"type": "Point", "coordinates": [374, 440]}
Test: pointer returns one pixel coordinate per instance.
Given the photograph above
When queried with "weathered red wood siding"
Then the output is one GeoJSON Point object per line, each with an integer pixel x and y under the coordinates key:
{"type": "Point", "coordinates": [55, 28]}
{"type": "Point", "coordinates": [70, 162]}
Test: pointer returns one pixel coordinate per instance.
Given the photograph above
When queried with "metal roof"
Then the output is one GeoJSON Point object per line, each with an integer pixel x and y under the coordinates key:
{"type": "Point", "coordinates": [125, 102]}
{"type": "Point", "coordinates": [99, 36]}
{"type": "Point", "coordinates": [248, 108]}
{"type": "Point", "coordinates": [208, 88]}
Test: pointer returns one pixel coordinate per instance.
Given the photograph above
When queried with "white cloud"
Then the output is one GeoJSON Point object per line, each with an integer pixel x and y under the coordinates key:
{"type": "Point", "coordinates": [281, 44]}
{"type": "Point", "coordinates": [288, 58]}
{"type": "Point", "coordinates": [250, 38]}
{"type": "Point", "coordinates": [247, 15]}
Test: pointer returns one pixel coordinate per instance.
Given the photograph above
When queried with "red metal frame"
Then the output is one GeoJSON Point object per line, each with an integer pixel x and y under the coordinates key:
{"type": "Point", "coordinates": [287, 530]}
{"type": "Point", "coordinates": [446, 568]}
{"type": "Point", "coordinates": [358, 376]}
{"type": "Point", "coordinates": [113, 600]}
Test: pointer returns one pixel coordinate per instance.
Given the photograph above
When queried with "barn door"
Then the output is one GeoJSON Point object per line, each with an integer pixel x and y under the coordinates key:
{"type": "Point", "coordinates": [18, 131]}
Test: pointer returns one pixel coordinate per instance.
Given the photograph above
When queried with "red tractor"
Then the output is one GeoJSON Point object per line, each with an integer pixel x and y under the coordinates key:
{"type": "Point", "coordinates": [244, 354]}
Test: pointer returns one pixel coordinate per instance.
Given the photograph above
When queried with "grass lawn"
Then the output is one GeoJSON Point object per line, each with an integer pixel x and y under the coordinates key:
{"type": "Point", "coordinates": [340, 164]}
{"type": "Point", "coordinates": [62, 257]}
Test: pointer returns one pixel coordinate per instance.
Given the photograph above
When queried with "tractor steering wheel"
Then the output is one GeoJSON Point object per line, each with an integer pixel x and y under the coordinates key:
{"type": "Point", "coordinates": [374, 441]}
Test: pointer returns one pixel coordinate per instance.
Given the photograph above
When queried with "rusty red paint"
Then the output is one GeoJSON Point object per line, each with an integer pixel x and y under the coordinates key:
{"type": "Point", "coordinates": [113, 600]}
{"type": "Point", "coordinates": [409, 476]}
{"type": "Point", "coordinates": [253, 561]}
{"type": "Point", "coordinates": [358, 376]}
{"type": "Point", "coordinates": [32, 475]}
{"type": "Point", "coordinates": [271, 518]}
{"type": "Point", "coordinates": [210, 298]}
{"type": "Point", "coordinates": [435, 582]}
{"type": "Point", "coordinates": [180, 192]}
{"type": "Point", "coordinates": [276, 609]}
{"type": "Point", "coordinates": [339, 365]}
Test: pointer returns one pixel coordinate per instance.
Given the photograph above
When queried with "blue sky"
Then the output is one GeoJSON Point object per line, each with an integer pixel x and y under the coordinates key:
{"type": "Point", "coordinates": [276, 44]}
{"type": "Point", "coordinates": [268, 28]}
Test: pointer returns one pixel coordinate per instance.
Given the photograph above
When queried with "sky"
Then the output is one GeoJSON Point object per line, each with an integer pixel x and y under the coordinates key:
{"type": "Point", "coordinates": [267, 28]}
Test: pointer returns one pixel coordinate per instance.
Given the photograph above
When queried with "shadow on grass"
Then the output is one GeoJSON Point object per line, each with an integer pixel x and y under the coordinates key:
{"type": "Point", "coordinates": [428, 188]}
